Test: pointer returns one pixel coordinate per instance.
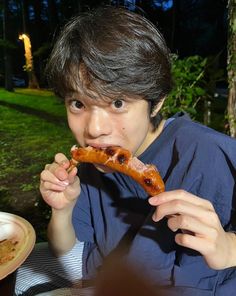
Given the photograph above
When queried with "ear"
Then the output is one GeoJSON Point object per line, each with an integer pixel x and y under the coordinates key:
{"type": "Point", "coordinates": [157, 108]}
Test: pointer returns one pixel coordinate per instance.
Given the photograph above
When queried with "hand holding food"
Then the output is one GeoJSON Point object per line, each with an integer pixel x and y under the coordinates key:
{"type": "Point", "coordinates": [59, 188]}
{"type": "Point", "coordinates": [201, 229]}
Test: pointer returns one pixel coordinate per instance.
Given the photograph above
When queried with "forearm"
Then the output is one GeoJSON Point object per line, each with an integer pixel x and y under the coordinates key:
{"type": "Point", "coordinates": [61, 234]}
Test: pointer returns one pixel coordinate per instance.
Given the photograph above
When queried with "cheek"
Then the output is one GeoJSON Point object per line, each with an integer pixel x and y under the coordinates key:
{"type": "Point", "coordinates": [134, 133]}
{"type": "Point", "coordinates": [75, 126]}
{"type": "Point", "coordinates": [71, 123]}
{"type": "Point", "coordinates": [77, 132]}
{"type": "Point", "coordinates": [139, 126]}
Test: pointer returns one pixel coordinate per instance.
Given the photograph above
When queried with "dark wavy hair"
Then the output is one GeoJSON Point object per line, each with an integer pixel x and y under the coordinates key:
{"type": "Point", "coordinates": [111, 51]}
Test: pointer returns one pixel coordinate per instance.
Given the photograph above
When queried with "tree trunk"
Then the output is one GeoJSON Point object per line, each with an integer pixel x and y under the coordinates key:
{"type": "Point", "coordinates": [232, 68]}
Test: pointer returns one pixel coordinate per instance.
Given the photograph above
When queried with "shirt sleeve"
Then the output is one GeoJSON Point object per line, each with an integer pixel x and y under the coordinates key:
{"type": "Point", "coordinates": [82, 223]}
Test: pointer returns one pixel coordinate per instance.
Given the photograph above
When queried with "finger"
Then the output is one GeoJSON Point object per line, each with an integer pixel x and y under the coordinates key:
{"type": "Point", "coordinates": [200, 244]}
{"type": "Point", "coordinates": [47, 166]}
{"type": "Point", "coordinates": [62, 160]}
{"type": "Point", "coordinates": [192, 225]}
{"type": "Point", "coordinates": [180, 207]}
{"type": "Point", "coordinates": [52, 187]}
{"type": "Point", "coordinates": [48, 176]}
{"type": "Point", "coordinates": [74, 188]}
{"type": "Point", "coordinates": [72, 175]}
{"type": "Point", "coordinates": [179, 195]}
{"type": "Point", "coordinates": [59, 170]}
{"type": "Point", "coordinates": [189, 241]}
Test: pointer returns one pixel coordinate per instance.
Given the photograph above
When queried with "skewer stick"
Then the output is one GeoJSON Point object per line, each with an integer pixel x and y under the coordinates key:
{"type": "Point", "coordinates": [73, 164]}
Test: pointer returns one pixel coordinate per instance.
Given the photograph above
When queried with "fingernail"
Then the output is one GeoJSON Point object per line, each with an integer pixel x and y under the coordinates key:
{"type": "Point", "coordinates": [151, 200]}
{"type": "Point", "coordinates": [63, 183]}
{"type": "Point", "coordinates": [155, 200]}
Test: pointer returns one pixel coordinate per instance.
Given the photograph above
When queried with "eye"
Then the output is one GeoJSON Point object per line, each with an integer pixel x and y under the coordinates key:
{"type": "Point", "coordinates": [118, 103]}
{"type": "Point", "coordinates": [77, 104]}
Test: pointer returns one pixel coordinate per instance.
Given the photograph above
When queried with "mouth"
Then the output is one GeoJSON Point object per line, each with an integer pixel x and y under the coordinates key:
{"type": "Point", "coordinates": [101, 146]}
{"type": "Point", "coordinates": [101, 168]}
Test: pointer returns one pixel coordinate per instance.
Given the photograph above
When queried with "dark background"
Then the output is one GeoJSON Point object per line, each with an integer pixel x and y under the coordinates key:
{"type": "Point", "coordinates": [190, 27]}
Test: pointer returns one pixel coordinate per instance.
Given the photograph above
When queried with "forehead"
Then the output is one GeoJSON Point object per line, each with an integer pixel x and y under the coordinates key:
{"type": "Point", "coordinates": [82, 93]}
{"type": "Point", "coordinates": [92, 98]}
{"type": "Point", "coordinates": [82, 85]}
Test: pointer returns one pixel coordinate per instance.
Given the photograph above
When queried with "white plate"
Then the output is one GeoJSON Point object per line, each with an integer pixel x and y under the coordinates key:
{"type": "Point", "coordinates": [16, 228]}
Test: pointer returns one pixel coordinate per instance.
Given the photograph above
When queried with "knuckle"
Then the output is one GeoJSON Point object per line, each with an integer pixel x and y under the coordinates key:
{"type": "Point", "coordinates": [42, 175]}
{"type": "Point", "coordinates": [177, 204]}
{"type": "Point", "coordinates": [59, 158]}
{"type": "Point", "coordinates": [183, 239]}
{"type": "Point", "coordinates": [46, 185]}
{"type": "Point", "coordinates": [181, 193]}
{"type": "Point", "coordinates": [170, 223]}
{"type": "Point", "coordinates": [47, 166]}
{"type": "Point", "coordinates": [183, 222]}
{"type": "Point", "coordinates": [58, 155]}
{"type": "Point", "coordinates": [208, 204]}
{"type": "Point", "coordinates": [213, 217]}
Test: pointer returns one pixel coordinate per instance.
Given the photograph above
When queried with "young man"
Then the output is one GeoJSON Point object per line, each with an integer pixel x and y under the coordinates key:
{"type": "Point", "coordinates": [112, 69]}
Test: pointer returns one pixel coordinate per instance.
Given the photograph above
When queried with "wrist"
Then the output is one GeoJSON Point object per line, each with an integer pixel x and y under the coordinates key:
{"type": "Point", "coordinates": [65, 209]}
{"type": "Point", "coordinates": [232, 248]}
{"type": "Point", "coordinates": [62, 216]}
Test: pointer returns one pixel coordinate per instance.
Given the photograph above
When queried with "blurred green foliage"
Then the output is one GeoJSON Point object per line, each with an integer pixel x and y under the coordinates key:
{"type": "Point", "coordinates": [195, 79]}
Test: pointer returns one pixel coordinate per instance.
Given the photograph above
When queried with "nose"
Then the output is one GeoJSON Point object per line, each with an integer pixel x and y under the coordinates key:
{"type": "Point", "coordinates": [98, 124]}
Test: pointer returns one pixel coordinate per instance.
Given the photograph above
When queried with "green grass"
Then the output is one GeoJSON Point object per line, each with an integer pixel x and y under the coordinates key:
{"type": "Point", "coordinates": [33, 127]}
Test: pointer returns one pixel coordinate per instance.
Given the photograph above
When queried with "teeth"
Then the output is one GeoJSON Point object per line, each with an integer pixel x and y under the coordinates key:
{"type": "Point", "coordinates": [74, 147]}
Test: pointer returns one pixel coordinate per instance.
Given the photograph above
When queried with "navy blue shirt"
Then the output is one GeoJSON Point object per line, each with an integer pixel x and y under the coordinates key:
{"type": "Point", "coordinates": [113, 211]}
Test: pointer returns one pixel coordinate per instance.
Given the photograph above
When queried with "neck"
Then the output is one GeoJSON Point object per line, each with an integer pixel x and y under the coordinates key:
{"type": "Point", "coordinates": [151, 136]}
